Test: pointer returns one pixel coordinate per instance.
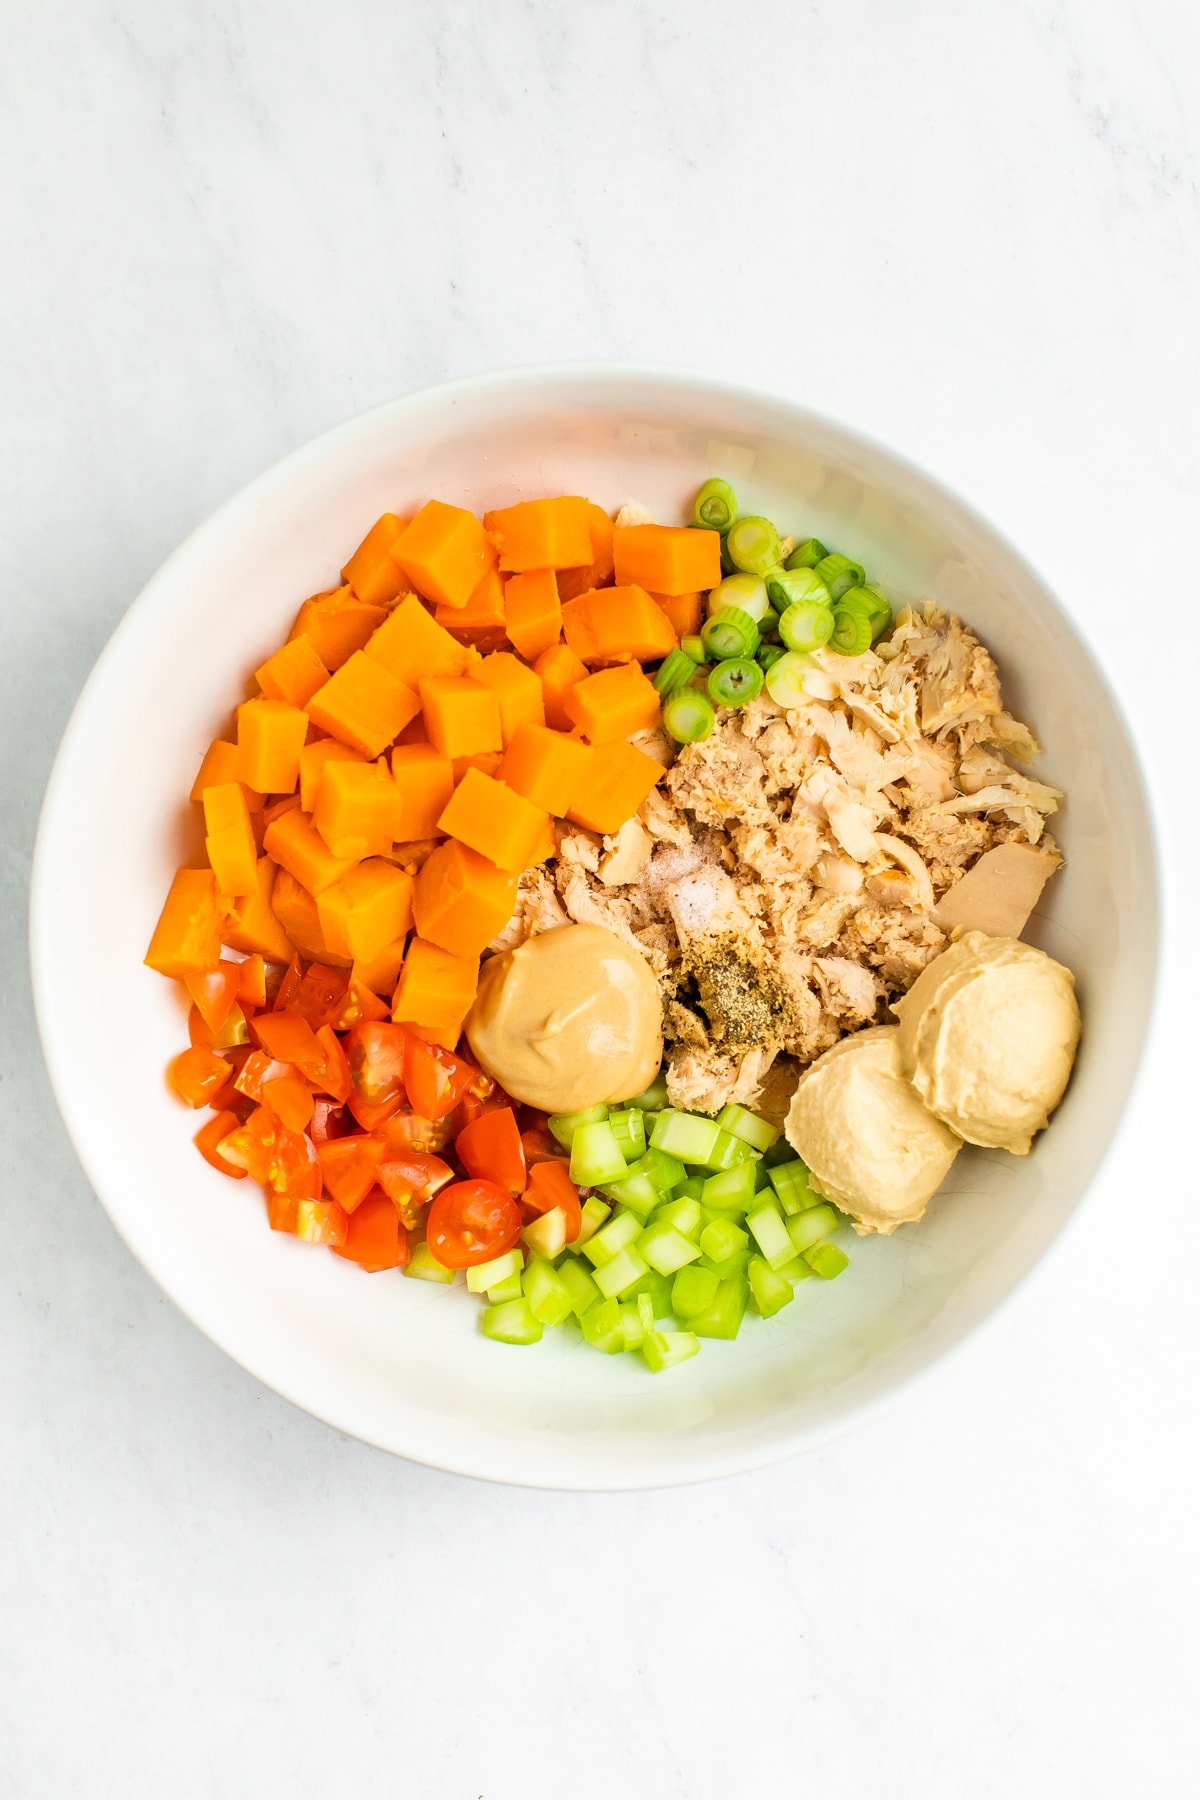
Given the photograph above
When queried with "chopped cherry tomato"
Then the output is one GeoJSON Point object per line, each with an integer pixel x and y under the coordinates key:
{"type": "Point", "coordinates": [411, 1181]}
{"type": "Point", "coordinates": [334, 1074]}
{"type": "Point", "coordinates": [210, 1135]}
{"type": "Point", "coordinates": [436, 1080]}
{"type": "Point", "coordinates": [540, 1145]}
{"type": "Point", "coordinates": [470, 1222]}
{"type": "Point", "coordinates": [375, 1053]}
{"type": "Point", "coordinates": [360, 1006]}
{"type": "Point", "coordinates": [198, 1076]}
{"type": "Point", "coordinates": [283, 1160]}
{"type": "Point", "coordinates": [321, 1222]}
{"type": "Point", "coordinates": [290, 1039]}
{"type": "Point", "coordinates": [348, 1168]}
{"type": "Point", "coordinates": [320, 996]}
{"type": "Point", "coordinates": [283, 1212]}
{"type": "Point", "coordinates": [290, 1098]}
{"type": "Point", "coordinates": [214, 992]}
{"type": "Point", "coordinates": [252, 982]}
{"type": "Point", "coordinates": [233, 1033]}
{"type": "Point", "coordinates": [289, 981]}
{"type": "Point", "coordinates": [375, 1238]}
{"type": "Point", "coordinates": [257, 1068]}
{"type": "Point", "coordinates": [329, 1121]}
{"type": "Point", "coordinates": [550, 1186]}
{"type": "Point", "coordinates": [406, 1131]}
{"type": "Point", "coordinates": [469, 1108]}
{"type": "Point", "coordinates": [491, 1147]}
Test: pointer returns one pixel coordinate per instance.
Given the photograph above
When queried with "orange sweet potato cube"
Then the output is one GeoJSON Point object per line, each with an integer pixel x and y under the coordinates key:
{"type": "Point", "coordinates": [363, 705]}
{"type": "Point", "coordinates": [219, 764]}
{"type": "Point", "coordinates": [558, 669]}
{"type": "Point", "coordinates": [532, 611]}
{"type": "Point", "coordinates": [618, 780]}
{"type": "Point", "coordinates": [667, 559]}
{"type": "Point", "coordinates": [187, 938]}
{"type": "Point", "coordinates": [270, 737]}
{"type": "Point", "coordinates": [461, 899]}
{"type": "Point", "coordinates": [435, 991]}
{"type": "Point", "coordinates": [313, 760]}
{"type": "Point", "coordinates": [296, 910]}
{"type": "Point", "coordinates": [613, 704]}
{"type": "Point", "coordinates": [424, 781]}
{"type": "Point", "coordinates": [229, 838]}
{"type": "Point", "coordinates": [516, 687]}
{"type": "Point", "coordinates": [444, 552]}
{"type": "Point", "coordinates": [373, 572]}
{"type": "Point", "coordinates": [542, 534]}
{"type": "Point", "coordinates": [294, 673]}
{"type": "Point", "coordinates": [546, 766]}
{"type": "Point", "coordinates": [379, 973]}
{"type": "Point", "coordinates": [355, 809]}
{"type": "Point", "coordinates": [366, 910]}
{"type": "Point", "coordinates": [482, 616]}
{"type": "Point", "coordinates": [337, 624]}
{"type": "Point", "coordinates": [461, 716]}
{"type": "Point", "coordinates": [411, 644]}
{"type": "Point", "coordinates": [250, 924]}
{"type": "Point", "coordinates": [491, 818]}
{"type": "Point", "coordinates": [293, 841]}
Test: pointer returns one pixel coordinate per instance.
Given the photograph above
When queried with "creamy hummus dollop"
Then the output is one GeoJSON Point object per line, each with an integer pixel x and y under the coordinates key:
{"type": "Point", "coordinates": [988, 1034]}
{"type": "Point", "coordinates": [569, 1019]}
{"type": "Point", "coordinates": [870, 1145]}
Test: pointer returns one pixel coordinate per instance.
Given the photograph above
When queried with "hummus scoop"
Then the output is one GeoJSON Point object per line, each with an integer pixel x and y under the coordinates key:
{"type": "Point", "coordinates": [988, 1034]}
{"type": "Point", "coordinates": [569, 1019]}
{"type": "Point", "coordinates": [870, 1145]}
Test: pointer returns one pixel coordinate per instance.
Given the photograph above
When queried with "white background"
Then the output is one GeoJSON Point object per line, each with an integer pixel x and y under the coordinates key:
{"type": "Point", "coordinates": [970, 228]}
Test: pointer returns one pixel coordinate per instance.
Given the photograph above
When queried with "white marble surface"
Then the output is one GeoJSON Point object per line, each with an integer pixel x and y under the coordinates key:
{"type": "Point", "coordinates": [969, 228]}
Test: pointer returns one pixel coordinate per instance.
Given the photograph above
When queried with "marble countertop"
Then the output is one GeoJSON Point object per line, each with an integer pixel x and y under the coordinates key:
{"type": "Point", "coordinates": [971, 230]}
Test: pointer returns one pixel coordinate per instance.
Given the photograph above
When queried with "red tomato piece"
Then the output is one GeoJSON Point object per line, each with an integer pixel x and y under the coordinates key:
{"type": "Point", "coordinates": [283, 1160]}
{"type": "Point", "coordinates": [348, 1168]}
{"type": "Point", "coordinates": [375, 1055]}
{"type": "Point", "coordinates": [289, 981]}
{"type": "Point", "coordinates": [436, 1079]}
{"type": "Point", "coordinates": [291, 1099]}
{"type": "Point", "coordinates": [410, 1182]}
{"type": "Point", "coordinates": [252, 982]}
{"type": "Point", "coordinates": [321, 995]}
{"type": "Point", "coordinates": [283, 1212]}
{"type": "Point", "coordinates": [470, 1222]}
{"type": "Point", "coordinates": [550, 1185]}
{"type": "Point", "coordinates": [290, 1039]}
{"type": "Point", "coordinates": [210, 1135]}
{"type": "Point", "coordinates": [375, 1238]}
{"type": "Point", "coordinates": [334, 1076]}
{"type": "Point", "coordinates": [329, 1121]}
{"type": "Point", "coordinates": [233, 1033]}
{"type": "Point", "coordinates": [321, 1222]}
{"type": "Point", "coordinates": [540, 1145]}
{"type": "Point", "coordinates": [491, 1147]}
{"type": "Point", "coordinates": [360, 1006]}
{"type": "Point", "coordinates": [407, 1130]}
{"type": "Point", "coordinates": [198, 1076]}
{"type": "Point", "coordinates": [256, 1069]}
{"type": "Point", "coordinates": [214, 992]}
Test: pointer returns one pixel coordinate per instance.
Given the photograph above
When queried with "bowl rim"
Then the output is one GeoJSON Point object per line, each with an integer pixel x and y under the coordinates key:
{"type": "Point", "coordinates": [786, 1442]}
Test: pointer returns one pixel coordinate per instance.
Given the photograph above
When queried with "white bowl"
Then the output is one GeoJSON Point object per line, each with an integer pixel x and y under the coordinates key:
{"type": "Point", "coordinates": [399, 1363]}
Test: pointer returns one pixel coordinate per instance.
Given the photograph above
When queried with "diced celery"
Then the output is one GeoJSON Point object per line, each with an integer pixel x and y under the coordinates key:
{"type": "Point", "coordinates": [621, 1230]}
{"type": "Point", "coordinates": [723, 1316]}
{"type": "Point", "coordinates": [692, 1291]}
{"type": "Point", "coordinates": [423, 1265]}
{"type": "Point", "coordinates": [592, 1216]}
{"type": "Point", "coordinates": [645, 1310]}
{"type": "Point", "coordinates": [734, 1264]}
{"type": "Point", "coordinates": [691, 1189]}
{"type": "Point", "coordinates": [768, 1290]}
{"type": "Point", "coordinates": [687, 1136]}
{"type": "Point", "coordinates": [637, 1192]}
{"type": "Point", "coordinates": [663, 1349]}
{"type": "Point", "coordinates": [796, 1270]}
{"type": "Point", "coordinates": [666, 1172]}
{"type": "Point", "coordinates": [723, 1238]}
{"type": "Point", "coordinates": [762, 1176]}
{"type": "Point", "coordinates": [511, 1323]}
{"type": "Point", "coordinates": [810, 1226]}
{"type": "Point", "coordinates": [826, 1260]}
{"type": "Point", "coordinates": [548, 1298]}
{"type": "Point", "coordinates": [732, 1190]}
{"type": "Point", "coordinates": [766, 1226]}
{"type": "Point", "coordinates": [780, 1152]}
{"type": "Point", "coordinates": [546, 1235]}
{"type": "Point", "coordinates": [596, 1155]}
{"type": "Point", "coordinates": [683, 1214]}
{"type": "Point", "coordinates": [615, 1277]}
{"type": "Point", "coordinates": [629, 1129]}
{"type": "Point", "coordinates": [565, 1125]}
{"type": "Point", "coordinates": [632, 1328]}
{"type": "Point", "coordinates": [760, 1134]}
{"type": "Point", "coordinates": [490, 1274]}
{"type": "Point", "coordinates": [657, 1289]}
{"type": "Point", "coordinates": [580, 1288]}
{"type": "Point", "coordinates": [792, 1188]}
{"type": "Point", "coordinates": [654, 1098]}
{"type": "Point", "coordinates": [508, 1289]}
{"type": "Point", "coordinates": [727, 1152]}
{"type": "Point", "coordinates": [666, 1249]}
{"type": "Point", "coordinates": [602, 1327]}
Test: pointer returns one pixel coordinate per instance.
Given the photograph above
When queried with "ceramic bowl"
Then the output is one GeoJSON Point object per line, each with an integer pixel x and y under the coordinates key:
{"type": "Point", "coordinates": [402, 1364]}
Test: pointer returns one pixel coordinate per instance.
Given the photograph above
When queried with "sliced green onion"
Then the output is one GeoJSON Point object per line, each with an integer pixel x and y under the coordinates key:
{"type": "Point", "coordinates": [715, 506]}
{"type": "Point", "coordinates": [729, 632]}
{"type": "Point", "coordinates": [651, 1098]}
{"type": "Point", "coordinates": [581, 1290]}
{"type": "Point", "coordinates": [759, 1133]}
{"type": "Point", "coordinates": [807, 555]}
{"type": "Point", "coordinates": [753, 545]}
{"type": "Point", "coordinates": [596, 1155]}
{"type": "Point", "coordinates": [785, 679]}
{"type": "Point", "coordinates": [423, 1265]}
{"type": "Point", "coordinates": [792, 1188]}
{"type": "Point", "coordinates": [602, 1327]}
{"type": "Point", "coordinates": [692, 1290]}
{"type": "Point", "coordinates": [490, 1274]}
{"type": "Point", "coordinates": [728, 566]}
{"type": "Point", "coordinates": [667, 1250]}
{"type": "Point", "coordinates": [674, 673]}
{"type": "Point", "coordinates": [806, 626]}
{"type": "Point", "coordinates": [768, 655]}
{"type": "Point", "coordinates": [687, 1136]}
{"type": "Point", "coordinates": [881, 610]}
{"type": "Point", "coordinates": [682, 1214]}
{"type": "Point", "coordinates": [787, 587]}
{"type": "Point", "coordinates": [810, 1226]}
{"type": "Point", "coordinates": [629, 1129]}
{"type": "Point", "coordinates": [688, 716]}
{"type": "Point", "coordinates": [615, 1277]}
{"type": "Point", "coordinates": [722, 1317]}
{"type": "Point", "coordinates": [731, 1190]}
{"type": "Point", "coordinates": [511, 1323]}
{"type": "Point", "coordinates": [851, 633]}
{"type": "Point", "coordinates": [693, 647]}
{"type": "Point", "coordinates": [549, 1299]}
{"type": "Point", "coordinates": [614, 1237]}
{"type": "Point", "coordinates": [664, 1349]}
{"type": "Point", "coordinates": [565, 1125]}
{"type": "Point", "coordinates": [839, 573]}
{"type": "Point", "coordinates": [592, 1216]}
{"type": "Point", "coordinates": [765, 1224]}
{"type": "Point", "coordinates": [769, 1290]}
{"type": "Point", "coordinates": [826, 1260]}
{"type": "Point", "coordinates": [748, 593]}
{"type": "Point", "coordinates": [735, 682]}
